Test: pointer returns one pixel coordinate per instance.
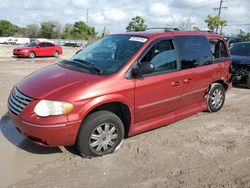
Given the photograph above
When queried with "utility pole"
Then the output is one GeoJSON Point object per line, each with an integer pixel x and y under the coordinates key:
{"type": "Point", "coordinates": [219, 9]}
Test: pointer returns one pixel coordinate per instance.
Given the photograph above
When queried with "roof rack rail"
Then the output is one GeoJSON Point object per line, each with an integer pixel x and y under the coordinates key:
{"type": "Point", "coordinates": [166, 29]}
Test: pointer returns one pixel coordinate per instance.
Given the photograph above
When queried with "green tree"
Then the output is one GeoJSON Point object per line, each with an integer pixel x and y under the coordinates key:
{"type": "Point", "coordinates": [81, 30]}
{"type": "Point", "coordinates": [8, 29]}
{"type": "Point", "coordinates": [222, 24]}
{"type": "Point", "coordinates": [32, 31]}
{"type": "Point", "coordinates": [137, 24]}
{"type": "Point", "coordinates": [47, 29]}
{"type": "Point", "coordinates": [67, 31]}
{"type": "Point", "coordinates": [196, 28]}
{"type": "Point", "coordinates": [244, 36]}
{"type": "Point", "coordinates": [214, 22]}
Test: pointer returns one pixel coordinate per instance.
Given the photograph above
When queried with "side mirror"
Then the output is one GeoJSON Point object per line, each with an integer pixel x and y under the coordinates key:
{"type": "Point", "coordinates": [38, 46]}
{"type": "Point", "coordinates": [143, 68]}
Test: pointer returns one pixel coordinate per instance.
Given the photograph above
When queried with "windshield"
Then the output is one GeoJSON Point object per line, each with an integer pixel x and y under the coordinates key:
{"type": "Point", "coordinates": [241, 49]}
{"type": "Point", "coordinates": [32, 44]}
{"type": "Point", "coordinates": [109, 54]}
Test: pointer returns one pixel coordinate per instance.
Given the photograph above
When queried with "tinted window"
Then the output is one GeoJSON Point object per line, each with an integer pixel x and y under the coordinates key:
{"type": "Point", "coordinates": [49, 44]}
{"type": "Point", "coordinates": [241, 49]}
{"type": "Point", "coordinates": [218, 48]}
{"type": "Point", "coordinates": [163, 56]}
{"type": "Point", "coordinates": [193, 51]}
{"type": "Point", "coordinates": [42, 44]}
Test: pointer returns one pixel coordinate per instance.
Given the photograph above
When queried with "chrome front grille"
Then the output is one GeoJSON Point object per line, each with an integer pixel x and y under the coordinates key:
{"type": "Point", "coordinates": [18, 101]}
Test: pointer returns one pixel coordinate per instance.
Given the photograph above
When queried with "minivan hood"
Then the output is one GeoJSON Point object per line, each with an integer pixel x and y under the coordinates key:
{"type": "Point", "coordinates": [240, 59]}
{"type": "Point", "coordinates": [55, 83]}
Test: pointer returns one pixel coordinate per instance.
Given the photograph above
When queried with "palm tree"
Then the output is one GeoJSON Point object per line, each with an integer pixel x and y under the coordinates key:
{"type": "Point", "coordinates": [223, 23]}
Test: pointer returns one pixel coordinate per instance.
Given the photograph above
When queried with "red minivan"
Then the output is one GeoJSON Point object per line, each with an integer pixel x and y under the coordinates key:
{"type": "Point", "coordinates": [119, 86]}
{"type": "Point", "coordinates": [38, 49]}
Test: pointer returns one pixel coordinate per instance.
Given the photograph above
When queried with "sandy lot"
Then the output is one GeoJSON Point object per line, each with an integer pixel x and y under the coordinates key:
{"type": "Point", "coordinates": [205, 150]}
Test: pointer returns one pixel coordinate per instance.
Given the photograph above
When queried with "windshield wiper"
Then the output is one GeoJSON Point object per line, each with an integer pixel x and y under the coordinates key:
{"type": "Point", "coordinates": [88, 64]}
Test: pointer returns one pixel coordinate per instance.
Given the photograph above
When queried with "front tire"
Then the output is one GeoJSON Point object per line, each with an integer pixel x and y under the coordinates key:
{"type": "Point", "coordinates": [32, 55]}
{"type": "Point", "coordinates": [101, 133]}
{"type": "Point", "coordinates": [216, 97]}
{"type": "Point", "coordinates": [56, 54]}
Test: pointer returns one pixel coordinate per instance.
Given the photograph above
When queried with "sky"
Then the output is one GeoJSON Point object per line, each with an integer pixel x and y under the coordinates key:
{"type": "Point", "coordinates": [116, 14]}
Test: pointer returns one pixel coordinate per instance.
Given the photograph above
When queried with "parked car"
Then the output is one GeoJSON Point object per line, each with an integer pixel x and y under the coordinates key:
{"type": "Point", "coordinates": [9, 40]}
{"type": "Point", "coordinates": [122, 85]}
{"type": "Point", "coordinates": [3, 40]}
{"type": "Point", "coordinates": [38, 49]}
{"type": "Point", "coordinates": [232, 40]}
{"type": "Point", "coordinates": [20, 41]}
{"type": "Point", "coordinates": [241, 63]}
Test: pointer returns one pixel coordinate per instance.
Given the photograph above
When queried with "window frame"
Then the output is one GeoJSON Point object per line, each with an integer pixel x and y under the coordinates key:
{"type": "Point", "coordinates": [221, 59]}
{"type": "Point", "coordinates": [147, 49]}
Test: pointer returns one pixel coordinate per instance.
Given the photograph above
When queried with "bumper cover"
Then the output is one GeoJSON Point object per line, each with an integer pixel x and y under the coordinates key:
{"type": "Point", "coordinates": [50, 135]}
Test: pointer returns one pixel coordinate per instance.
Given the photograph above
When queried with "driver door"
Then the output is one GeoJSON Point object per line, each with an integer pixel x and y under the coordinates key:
{"type": "Point", "coordinates": [158, 93]}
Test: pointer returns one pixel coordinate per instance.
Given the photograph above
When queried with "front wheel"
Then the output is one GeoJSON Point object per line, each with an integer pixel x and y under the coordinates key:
{"type": "Point", "coordinates": [56, 54]}
{"type": "Point", "coordinates": [101, 133]}
{"type": "Point", "coordinates": [32, 55]}
{"type": "Point", "coordinates": [216, 97]}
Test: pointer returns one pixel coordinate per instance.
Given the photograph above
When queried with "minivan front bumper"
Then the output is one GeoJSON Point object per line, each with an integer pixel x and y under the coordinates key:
{"type": "Point", "coordinates": [63, 134]}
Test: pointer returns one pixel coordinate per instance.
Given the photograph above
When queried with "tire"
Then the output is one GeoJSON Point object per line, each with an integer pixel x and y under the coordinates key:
{"type": "Point", "coordinates": [93, 140]}
{"type": "Point", "coordinates": [32, 55]}
{"type": "Point", "coordinates": [56, 54]}
{"type": "Point", "coordinates": [248, 81]}
{"type": "Point", "coordinates": [216, 97]}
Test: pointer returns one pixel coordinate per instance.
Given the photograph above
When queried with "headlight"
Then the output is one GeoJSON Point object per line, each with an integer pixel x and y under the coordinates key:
{"type": "Point", "coordinates": [52, 108]}
{"type": "Point", "coordinates": [23, 50]}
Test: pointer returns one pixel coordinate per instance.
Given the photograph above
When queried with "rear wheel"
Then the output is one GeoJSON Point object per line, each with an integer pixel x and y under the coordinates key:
{"type": "Point", "coordinates": [101, 133]}
{"type": "Point", "coordinates": [56, 54]}
{"type": "Point", "coordinates": [32, 55]}
{"type": "Point", "coordinates": [216, 97]}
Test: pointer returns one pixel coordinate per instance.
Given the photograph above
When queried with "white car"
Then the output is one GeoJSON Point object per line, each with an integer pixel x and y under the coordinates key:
{"type": "Point", "coordinates": [3, 40]}
{"type": "Point", "coordinates": [20, 41]}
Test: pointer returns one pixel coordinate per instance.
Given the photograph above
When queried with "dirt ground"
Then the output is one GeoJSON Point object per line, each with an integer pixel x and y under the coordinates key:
{"type": "Point", "coordinates": [205, 150]}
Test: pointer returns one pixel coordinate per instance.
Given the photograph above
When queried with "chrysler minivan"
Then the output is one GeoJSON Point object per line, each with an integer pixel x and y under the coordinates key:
{"type": "Point", "coordinates": [122, 85]}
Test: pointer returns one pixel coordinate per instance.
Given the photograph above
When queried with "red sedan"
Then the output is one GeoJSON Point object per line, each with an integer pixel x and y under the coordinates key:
{"type": "Point", "coordinates": [35, 49]}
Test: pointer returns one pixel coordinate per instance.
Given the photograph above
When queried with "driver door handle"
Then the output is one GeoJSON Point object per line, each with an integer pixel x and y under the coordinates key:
{"type": "Point", "coordinates": [176, 83]}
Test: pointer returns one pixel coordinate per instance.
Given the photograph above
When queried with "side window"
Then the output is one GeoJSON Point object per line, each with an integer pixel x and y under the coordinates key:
{"type": "Point", "coordinates": [194, 51]}
{"type": "Point", "coordinates": [49, 44]}
{"type": "Point", "coordinates": [42, 45]}
{"type": "Point", "coordinates": [163, 56]}
{"type": "Point", "coordinates": [218, 48]}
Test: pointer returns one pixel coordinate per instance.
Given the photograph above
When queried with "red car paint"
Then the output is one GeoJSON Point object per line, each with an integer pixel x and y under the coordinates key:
{"type": "Point", "coordinates": [40, 49]}
{"type": "Point", "coordinates": [152, 101]}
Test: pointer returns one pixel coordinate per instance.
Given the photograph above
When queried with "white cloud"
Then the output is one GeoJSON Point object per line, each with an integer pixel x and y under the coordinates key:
{"type": "Point", "coordinates": [158, 9]}
{"type": "Point", "coordinates": [69, 12]}
{"type": "Point", "coordinates": [114, 14]}
{"type": "Point", "coordinates": [97, 18]}
{"type": "Point", "coordinates": [80, 4]}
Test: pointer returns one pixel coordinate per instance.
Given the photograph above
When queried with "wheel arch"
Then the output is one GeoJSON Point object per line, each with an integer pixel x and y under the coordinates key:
{"type": "Point", "coordinates": [116, 105]}
{"type": "Point", "coordinates": [223, 82]}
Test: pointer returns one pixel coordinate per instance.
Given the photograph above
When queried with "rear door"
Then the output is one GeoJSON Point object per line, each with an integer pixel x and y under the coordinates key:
{"type": "Point", "coordinates": [197, 71]}
{"type": "Point", "coordinates": [50, 49]}
{"type": "Point", "coordinates": [158, 93]}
